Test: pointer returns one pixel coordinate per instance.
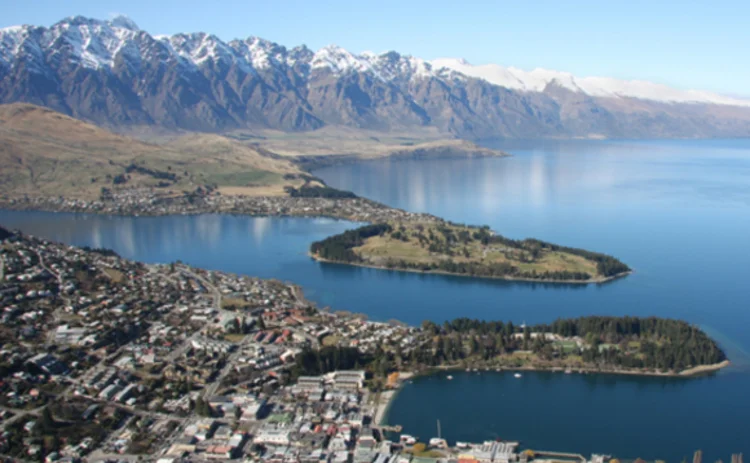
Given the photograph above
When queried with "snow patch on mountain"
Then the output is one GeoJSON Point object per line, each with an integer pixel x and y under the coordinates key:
{"type": "Point", "coordinates": [339, 60]}
{"type": "Point", "coordinates": [538, 80]}
{"type": "Point", "coordinates": [124, 22]}
{"type": "Point", "coordinates": [20, 44]}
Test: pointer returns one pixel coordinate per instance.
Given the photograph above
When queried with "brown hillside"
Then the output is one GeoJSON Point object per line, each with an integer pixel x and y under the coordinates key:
{"type": "Point", "coordinates": [43, 152]}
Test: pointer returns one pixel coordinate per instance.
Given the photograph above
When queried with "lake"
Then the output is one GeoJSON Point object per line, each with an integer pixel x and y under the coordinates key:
{"type": "Point", "coordinates": [678, 212]}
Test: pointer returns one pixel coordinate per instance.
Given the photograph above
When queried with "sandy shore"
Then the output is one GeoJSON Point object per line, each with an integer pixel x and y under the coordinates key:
{"type": "Point", "coordinates": [386, 398]}
{"type": "Point", "coordinates": [384, 403]}
{"type": "Point", "coordinates": [701, 369]}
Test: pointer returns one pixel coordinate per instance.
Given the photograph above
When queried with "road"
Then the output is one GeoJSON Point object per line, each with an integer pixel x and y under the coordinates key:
{"type": "Point", "coordinates": [19, 415]}
{"type": "Point", "coordinates": [177, 353]}
{"type": "Point", "coordinates": [44, 266]}
{"type": "Point", "coordinates": [208, 285]}
{"type": "Point", "coordinates": [231, 361]}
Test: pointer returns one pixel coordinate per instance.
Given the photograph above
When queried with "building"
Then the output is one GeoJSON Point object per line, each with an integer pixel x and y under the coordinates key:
{"type": "Point", "coordinates": [66, 335]}
{"type": "Point", "coordinates": [272, 437]}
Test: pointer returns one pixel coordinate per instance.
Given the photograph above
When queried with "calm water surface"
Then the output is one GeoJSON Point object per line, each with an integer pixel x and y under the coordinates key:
{"type": "Point", "coordinates": [677, 212]}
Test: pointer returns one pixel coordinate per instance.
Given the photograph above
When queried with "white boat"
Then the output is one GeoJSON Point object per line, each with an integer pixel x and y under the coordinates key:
{"type": "Point", "coordinates": [449, 377]}
{"type": "Point", "coordinates": [408, 440]}
{"type": "Point", "coordinates": [517, 375]}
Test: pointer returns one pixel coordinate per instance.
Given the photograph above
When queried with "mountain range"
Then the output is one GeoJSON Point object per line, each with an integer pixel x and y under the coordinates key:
{"type": "Point", "coordinates": [112, 73]}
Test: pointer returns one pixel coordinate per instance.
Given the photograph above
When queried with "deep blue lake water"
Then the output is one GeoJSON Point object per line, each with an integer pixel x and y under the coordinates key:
{"type": "Point", "coordinates": [678, 212]}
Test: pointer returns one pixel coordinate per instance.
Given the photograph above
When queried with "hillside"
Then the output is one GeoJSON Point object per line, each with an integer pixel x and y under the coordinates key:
{"type": "Point", "coordinates": [43, 153]}
{"type": "Point", "coordinates": [118, 76]}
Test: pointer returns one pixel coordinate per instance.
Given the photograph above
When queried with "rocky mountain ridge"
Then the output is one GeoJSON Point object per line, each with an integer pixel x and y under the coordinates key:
{"type": "Point", "coordinates": [116, 75]}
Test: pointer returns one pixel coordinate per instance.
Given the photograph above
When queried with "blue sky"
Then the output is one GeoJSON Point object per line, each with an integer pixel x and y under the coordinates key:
{"type": "Point", "coordinates": [688, 44]}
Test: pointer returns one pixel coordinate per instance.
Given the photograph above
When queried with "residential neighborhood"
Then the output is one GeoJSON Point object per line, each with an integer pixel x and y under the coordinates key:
{"type": "Point", "coordinates": [107, 359]}
{"type": "Point", "coordinates": [154, 202]}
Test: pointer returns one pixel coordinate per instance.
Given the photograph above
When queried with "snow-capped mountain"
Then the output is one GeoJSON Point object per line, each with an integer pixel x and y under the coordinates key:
{"type": "Point", "coordinates": [538, 79]}
{"type": "Point", "coordinates": [113, 73]}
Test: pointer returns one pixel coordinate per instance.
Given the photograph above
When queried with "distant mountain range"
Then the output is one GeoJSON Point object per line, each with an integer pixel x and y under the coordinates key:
{"type": "Point", "coordinates": [116, 75]}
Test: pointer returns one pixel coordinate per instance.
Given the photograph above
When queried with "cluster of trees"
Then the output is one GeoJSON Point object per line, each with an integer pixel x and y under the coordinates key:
{"type": "Point", "coordinates": [340, 247]}
{"type": "Point", "coordinates": [4, 233]}
{"type": "Point", "coordinates": [103, 251]}
{"type": "Point", "coordinates": [120, 179]}
{"type": "Point", "coordinates": [202, 408]}
{"type": "Point", "coordinates": [327, 359]}
{"type": "Point", "coordinates": [158, 174]}
{"type": "Point", "coordinates": [493, 270]}
{"type": "Point", "coordinates": [319, 192]}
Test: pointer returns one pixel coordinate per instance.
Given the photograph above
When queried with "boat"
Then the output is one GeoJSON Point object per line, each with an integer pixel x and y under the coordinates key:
{"type": "Point", "coordinates": [449, 377]}
{"type": "Point", "coordinates": [408, 439]}
{"type": "Point", "coordinates": [568, 371]}
{"type": "Point", "coordinates": [517, 375]}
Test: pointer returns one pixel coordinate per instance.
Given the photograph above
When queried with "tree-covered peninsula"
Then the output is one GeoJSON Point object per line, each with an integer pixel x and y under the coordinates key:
{"type": "Point", "coordinates": [632, 345]}
{"type": "Point", "coordinates": [443, 247]}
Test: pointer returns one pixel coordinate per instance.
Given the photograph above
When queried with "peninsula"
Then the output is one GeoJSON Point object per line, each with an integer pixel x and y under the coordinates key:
{"type": "Point", "coordinates": [436, 246]}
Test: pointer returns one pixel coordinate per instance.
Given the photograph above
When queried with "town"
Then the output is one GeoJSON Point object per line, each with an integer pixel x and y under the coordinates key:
{"type": "Point", "coordinates": [204, 200]}
{"type": "Point", "coordinates": [105, 359]}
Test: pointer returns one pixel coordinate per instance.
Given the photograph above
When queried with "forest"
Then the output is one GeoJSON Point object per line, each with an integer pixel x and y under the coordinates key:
{"type": "Point", "coordinates": [327, 359]}
{"type": "Point", "coordinates": [628, 342]}
{"type": "Point", "coordinates": [340, 247]}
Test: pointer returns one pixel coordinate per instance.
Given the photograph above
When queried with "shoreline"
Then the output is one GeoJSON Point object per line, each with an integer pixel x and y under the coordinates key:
{"type": "Point", "coordinates": [692, 372]}
{"type": "Point", "coordinates": [383, 407]}
{"type": "Point", "coordinates": [4, 207]}
{"type": "Point", "coordinates": [387, 397]}
{"type": "Point", "coordinates": [360, 210]}
{"type": "Point", "coordinates": [313, 162]}
{"type": "Point", "coordinates": [600, 280]}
